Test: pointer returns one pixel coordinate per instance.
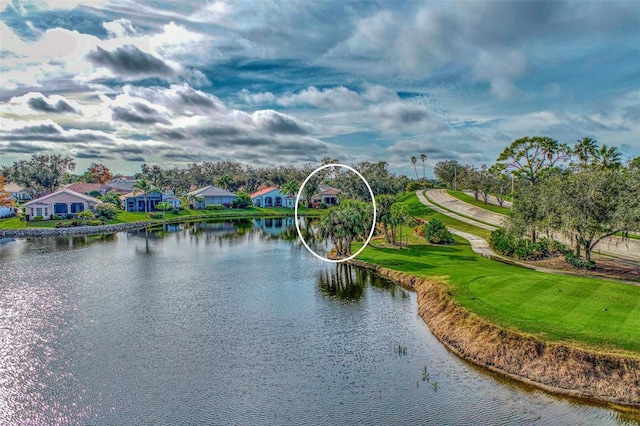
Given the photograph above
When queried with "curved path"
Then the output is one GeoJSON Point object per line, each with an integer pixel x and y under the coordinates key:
{"type": "Point", "coordinates": [613, 246]}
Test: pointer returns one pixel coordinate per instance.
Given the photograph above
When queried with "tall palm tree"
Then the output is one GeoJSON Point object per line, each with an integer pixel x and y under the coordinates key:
{"type": "Point", "coordinates": [422, 158]}
{"type": "Point", "coordinates": [414, 160]}
{"type": "Point", "coordinates": [290, 188]}
{"type": "Point", "coordinates": [586, 149]}
{"type": "Point", "coordinates": [145, 187]}
{"type": "Point", "coordinates": [609, 157]}
{"type": "Point", "coordinates": [225, 182]}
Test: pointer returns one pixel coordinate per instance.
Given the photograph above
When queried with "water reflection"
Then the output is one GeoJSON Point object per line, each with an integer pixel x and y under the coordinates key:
{"type": "Point", "coordinates": [349, 283]}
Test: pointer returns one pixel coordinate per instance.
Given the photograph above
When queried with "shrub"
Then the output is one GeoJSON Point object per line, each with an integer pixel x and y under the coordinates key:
{"type": "Point", "coordinates": [107, 210]}
{"type": "Point", "coordinates": [57, 217]}
{"type": "Point", "coordinates": [414, 186]}
{"type": "Point", "coordinates": [37, 219]}
{"type": "Point", "coordinates": [243, 201]}
{"type": "Point", "coordinates": [86, 215]}
{"type": "Point", "coordinates": [214, 207]}
{"type": "Point", "coordinates": [578, 262]}
{"type": "Point", "coordinates": [508, 245]}
{"type": "Point", "coordinates": [175, 211]}
{"type": "Point", "coordinates": [156, 215]}
{"type": "Point", "coordinates": [436, 233]}
{"type": "Point", "coordinates": [94, 222]}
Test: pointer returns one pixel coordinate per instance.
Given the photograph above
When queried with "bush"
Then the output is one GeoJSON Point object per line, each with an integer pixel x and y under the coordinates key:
{"type": "Point", "coordinates": [86, 215]}
{"type": "Point", "coordinates": [503, 242]}
{"type": "Point", "coordinates": [243, 201]}
{"type": "Point", "coordinates": [94, 222]}
{"type": "Point", "coordinates": [214, 207]}
{"type": "Point", "coordinates": [436, 233]}
{"type": "Point", "coordinates": [414, 186]}
{"type": "Point", "coordinates": [156, 215]}
{"type": "Point", "coordinates": [175, 211]}
{"type": "Point", "coordinates": [107, 210]}
{"type": "Point", "coordinates": [578, 262]}
{"type": "Point", "coordinates": [37, 219]}
{"type": "Point", "coordinates": [57, 217]}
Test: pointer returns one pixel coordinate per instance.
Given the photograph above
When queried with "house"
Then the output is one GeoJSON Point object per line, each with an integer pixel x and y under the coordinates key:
{"type": "Point", "coordinates": [87, 188]}
{"type": "Point", "coordinates": [326, 195]}
{"type": "Point", "coordinates": [134, 201]}
{"type": "Point", "coordinates": [122, 185]}
{"type": "Point", "coordinates": [61, 202]}
{"type": "Point", "coordinates": [7, 211]}
{"type": "Point", "coordinates": [17, 192]}
{"type": "Point", "coordinates": [272, 197]}
{"type": "Point", "coordinates": [212, 195]}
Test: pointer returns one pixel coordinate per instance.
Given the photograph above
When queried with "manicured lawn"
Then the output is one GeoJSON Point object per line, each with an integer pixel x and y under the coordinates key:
{"type": "Point", "coordinates": [478, 203]}
{"type": "Point", "coordinates": [553, 307]}
{"type": "Point", "coordinates": [128, 217]}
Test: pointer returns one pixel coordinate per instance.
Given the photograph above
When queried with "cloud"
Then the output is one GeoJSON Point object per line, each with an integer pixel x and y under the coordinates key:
{"type": "Point", "coordinates": [42, 104]}
{"type": "Point", "coordinates": [129, 61]}
{"type": "Point", "coordinates": [275, 122]}
{"type": "Point", "coordinates": [138, 113]}
{"type": "Point", "coordinates": [330, 98]}
{"type": "Point", "coordinates": [398, 116]}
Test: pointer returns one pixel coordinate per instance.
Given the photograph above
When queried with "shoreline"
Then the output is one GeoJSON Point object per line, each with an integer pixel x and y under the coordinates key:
{"type": "Point", "coordinates": [129, 226]}
{"type": "Point", "coordinates": [610, 378]}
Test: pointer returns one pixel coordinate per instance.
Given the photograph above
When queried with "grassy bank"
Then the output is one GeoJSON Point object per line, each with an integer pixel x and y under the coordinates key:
{"type": "Point", "coordinates": [582, 312]}
{"type": "Point", "coordinates": [183, 215]}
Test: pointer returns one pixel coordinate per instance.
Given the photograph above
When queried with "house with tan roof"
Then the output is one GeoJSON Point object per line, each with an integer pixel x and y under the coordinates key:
{"type": "Point", "coordinates": [17, 192]}
{"type": "Point", "coordinates": [86, 188]}
{"type": "Point", "coordinates": [272, 197]}
{"type": "Point", "coordinates": [61, 202]}
{"type": "Point", "coordinates": [211, 195]}
{"type": "Point", "coordinates": [327, 195]}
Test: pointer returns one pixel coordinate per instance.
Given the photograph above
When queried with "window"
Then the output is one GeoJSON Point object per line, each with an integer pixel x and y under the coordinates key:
{"type": "Point", "coordinates": [77, 207]}
{"type": "Point", "coordinates": [46, 211]}
{"type": "Point", "coordinates": [38, 211]}
{"type": "Point", "coordinates": [60, 208]}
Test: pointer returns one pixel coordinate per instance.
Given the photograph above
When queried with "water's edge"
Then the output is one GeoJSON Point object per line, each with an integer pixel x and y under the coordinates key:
{"type": "Point", "coordinates": [554, 367]}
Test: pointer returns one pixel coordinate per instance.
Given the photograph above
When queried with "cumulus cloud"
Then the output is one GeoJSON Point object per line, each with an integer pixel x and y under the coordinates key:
{"type": "Point", "coordinates": [53, 104]}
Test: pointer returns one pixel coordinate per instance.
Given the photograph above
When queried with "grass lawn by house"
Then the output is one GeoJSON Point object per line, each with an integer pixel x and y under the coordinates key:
{"type": "Point", "coordinates": [586, 312]}
{"type": "Point", "coordinates": [131, 217]}
{"type": "Point", "coordinates": [478, 203]}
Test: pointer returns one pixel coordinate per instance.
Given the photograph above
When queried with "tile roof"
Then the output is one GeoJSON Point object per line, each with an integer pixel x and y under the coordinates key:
{"type": "Point", "coordinates": [212, 191]}
{"type": "Point", "coordinates": [263, 191]}
{"type": "Point", "coordinates": [65, 190]}
{"type": "Point", "coordinates": [83, 188]}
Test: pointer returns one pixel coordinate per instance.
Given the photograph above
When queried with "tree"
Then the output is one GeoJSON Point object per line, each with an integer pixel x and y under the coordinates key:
{"type": "Point", "coordinates": [586, 150]}
{"type": "Point", "coordinates": [145, 187]}
{"type": "Point", "coordinates": [609, 157]}
{"type": "Point", "coordinates": [423, 158]}
{"type": "Point", "coordinates": [500, 185]}
{"type": "Point", "coordinates": [5, 197]}
{"type": "Point", "coordinates": [449, 171]}
{"type": "Point", "coordinates": [41, 174]}
{"type": "Point", "coordinates": [111, 197]}
{"type": "Point", "coordinates": [243, 201]}
{"type": "Point", "coordinates": [531, 157]}
{"type": "Point", "coordinates": [344, 223]}
{"type": "Point", "coordinates": [383, 205]}
{"type": "Point", "coordinates": [100, 173]}
{"type": "Point", "coordinates": [225, 181]}
{"type": "Point", "coordinates": [592, 205]}
{"type": "Point", "coordinates": [437, 233]}
{"type": "Point", "coordinates": [635, 163]}
{"type": "Point", "coordinates": [164, 206]}
{"type": "Point", "coordinates": [155, 175]}
{"type": "Point", "coordinates": [414, 160]}
{"type": "Point", "coordinates": [290, 189]}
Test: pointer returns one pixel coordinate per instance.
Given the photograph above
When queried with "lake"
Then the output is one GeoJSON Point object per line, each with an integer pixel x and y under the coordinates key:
{"type": "Point", "coordinates": [231, 323]}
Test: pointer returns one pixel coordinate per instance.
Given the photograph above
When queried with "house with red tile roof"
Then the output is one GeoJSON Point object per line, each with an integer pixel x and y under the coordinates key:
{"type": "Point", "coordinates": [86, 188]}
{"type": "Point", "coordinates": [327, 195]}
{"type": "Point", "coordinates": [272, 197]}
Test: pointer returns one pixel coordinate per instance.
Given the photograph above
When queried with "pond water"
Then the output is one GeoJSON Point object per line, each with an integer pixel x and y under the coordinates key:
{"type": "Point", "coordinates": [231, 323]}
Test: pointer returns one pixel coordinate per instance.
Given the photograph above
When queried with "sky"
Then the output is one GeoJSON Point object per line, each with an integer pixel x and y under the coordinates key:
{"type": "Point", "coordinates": [290, 82]}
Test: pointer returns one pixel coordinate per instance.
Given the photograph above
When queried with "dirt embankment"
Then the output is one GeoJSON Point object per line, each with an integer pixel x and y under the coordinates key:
{"type": "Point", "coordinates": [554, 367]}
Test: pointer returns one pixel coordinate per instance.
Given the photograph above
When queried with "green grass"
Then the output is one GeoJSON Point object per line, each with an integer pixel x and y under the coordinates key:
{"type": "Point", "coordinates": [478, 203]}
{"type": "Point", "coordinates": [187, 214]}
{"type": "Point", "coordinates": [553, 307]}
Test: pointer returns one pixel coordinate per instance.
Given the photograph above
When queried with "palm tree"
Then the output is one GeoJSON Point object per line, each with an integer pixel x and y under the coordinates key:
{"type": "Point", "coordinates": [414, 160]}
{"type": "Point", "coordinates": [609, 157]}
{"type": "Point", "coordinates": [225, 182]}
{"type": "Point", "coordinates": [422, 158]}
{"type": "Point", "coordinates": [290, 188]}
{"type": "Point", "coordinates": [145, 187]}
{"type": "Point", "coordinates": [586, 149]}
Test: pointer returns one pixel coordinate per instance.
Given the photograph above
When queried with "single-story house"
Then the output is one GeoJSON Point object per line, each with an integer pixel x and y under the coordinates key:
{"type": "Point", "coordinates": [86, 188]}
{"type": "Point", "coordinates": [122, 185]}
{"type": "Point", "coordinates": [61, 202]}
{"type": "Point", "coordinates": [272, 197]}
{"type": "Point", "coordinates": [7, 211]}
{"type": "Point", "coordinates": [212, 195]}
{"type": "Point", "coordinates": [327, 195]}
{"type": "Point", "coordinates": [134, 201]}
{"type": "Point", "coordinates": [17, 192]}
